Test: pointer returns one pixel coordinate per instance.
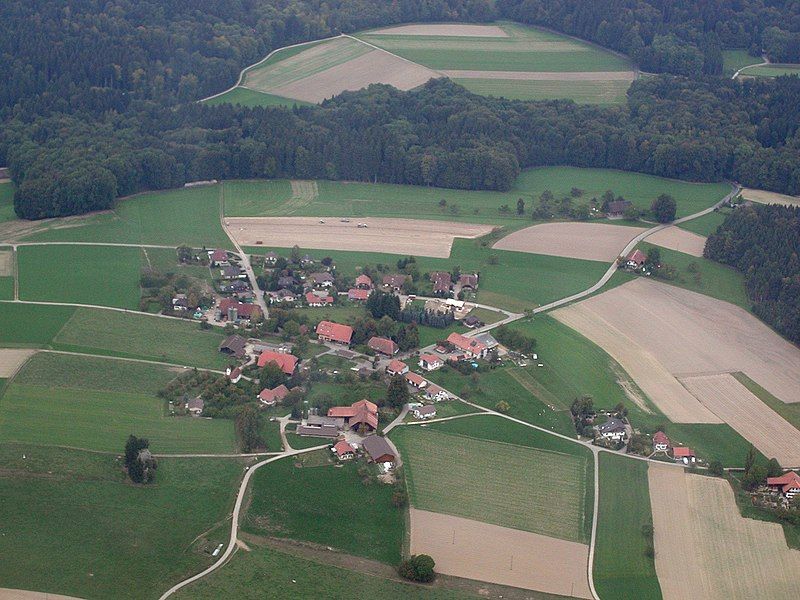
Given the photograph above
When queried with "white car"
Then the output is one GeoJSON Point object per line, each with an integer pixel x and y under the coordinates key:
{"type": "Point", "coordinates": [362, 225]}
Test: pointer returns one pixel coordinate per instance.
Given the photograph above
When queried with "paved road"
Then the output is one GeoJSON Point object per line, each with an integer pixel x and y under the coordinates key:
{"type": "Point", "coordinates": [397, 420]}
{"type": "Point", "coordinates": [235, 520]}
{"type": "Point", "coordinates": [764, 61]}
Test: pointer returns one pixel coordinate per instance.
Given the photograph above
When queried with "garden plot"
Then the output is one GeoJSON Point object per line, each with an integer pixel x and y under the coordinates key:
{"type": "Point", "coordinates": [475, 550]}
{"type": "Point", "coordinates": [747, 414]}
{"type": "Point", "coordinates": [689, 334]}
{"type": "Point", "coordinates": [393, 236]}
{"type": "Point", "coordinates": [701, 540]}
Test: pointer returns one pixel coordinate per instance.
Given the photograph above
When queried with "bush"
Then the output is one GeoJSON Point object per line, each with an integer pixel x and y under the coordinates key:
{"type": "Point", "coordinates": [502, 407]}
{"type": "Point", "coordinates": [419, 567]}
{"type": "Point", "coordinates": [716, 468]}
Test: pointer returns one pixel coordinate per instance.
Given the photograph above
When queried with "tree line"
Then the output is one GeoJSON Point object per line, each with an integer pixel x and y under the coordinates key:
{"type": "Point", "coordinates": [763, 242]}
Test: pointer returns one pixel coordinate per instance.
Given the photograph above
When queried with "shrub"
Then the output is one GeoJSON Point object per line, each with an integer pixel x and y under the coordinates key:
{"type": "Point", "coordinates": [418, 567]}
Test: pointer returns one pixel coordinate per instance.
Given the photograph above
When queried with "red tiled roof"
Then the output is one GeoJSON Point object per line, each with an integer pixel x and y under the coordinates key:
{"type": "Point", "coordinates": [363, 280]}
{"type": "Point", "coordinates": [682, 452]}
{"type": "Point", "coordinates": [359, 412]}
{"type": "Point", "coordinates": [637, 256]}
{"type": "Point", "coordinates": [660, 438]}
{"type": "Point", "coordinates": [312, 298]}
{"type": "Point", "coordinates": [335, 331]}
{"type": "Point", "coordinates": [245, 310]}
{"type": "Point", "coordinates": [467, 344]}
{"type": "Point", "coordinates": [397, 366]}
{"type": "Point", "coordinates": [287, 362]}
{"type": "Point", "coordinates": [414, 379]}
{"type": "Point", "coordinates": [357, 294]}
{"type": "Point", "coordinates": [237, 372]}
{"type": "Point", "coordinates": [786, 482]}
{"type": "Point", "coordinates": [429, 358]}
{"type": "Point", "coordinates": [219, 255]}
{"type": "Point", "coordinates": [274, 395]}
{"type": "Point", "coordinates": [342, 447]}
{"type": "Point", "coordinates": [383, 345]}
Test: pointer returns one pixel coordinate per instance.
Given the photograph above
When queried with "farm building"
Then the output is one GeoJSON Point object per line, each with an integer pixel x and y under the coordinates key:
{"type": "Point", "coordinates": [272, 397]}
{"type": "Point", "coordinates": [325, 431]}
{"type": "Point", "coordinates": [430, 362]}
{"type": "Point", "coordinates": [613, 429]}
{"type": "Point", "coordinates": [323, 421]}
{"type": "Point", "coordinates": [195, 407]}
{"type": "Point", "coordinates": [635, 259]}
{"type": "Point", "coordinates": [233, 310]}
{"type": "Point", "coordinates": [394, 282]}
{"type": "Point", "coordinates": [343, 450]}
{"type": "Point", "coordinates": [378, 449]}
{"type": "Point", "coordinates": [788, 484]}
{"type": "Point", "coordinates": [233, 345]}
{"type": "Point", "coordinates": [313, 299]}
{"type": "Point", "coordinates": [660, 442]}
{"type": "Point", "coordinates": [363, 282]}
{"type": "Point", "coordinates": [328, 331]}
{"type": "Point", "coordinates": [359, 414]}
{"type": "Point", "coordinates": [357, 294]}
{"type": "Point", "coordinates": [383, 346]}
{"type": "Point", "coordinates": [425, 412]}
{"type": "Point", "coordinates": [417, 381]}
{"type": "Point", "coordinates": [434, 392]}
{"type": "Point", "coordinates": [472, 348]}
{"type": "Point", "coordinates": [684, 455]}
{"type": "Point", "coordinates": [396, 367]}
{"type": "Point", "coordinates": [287, 362]}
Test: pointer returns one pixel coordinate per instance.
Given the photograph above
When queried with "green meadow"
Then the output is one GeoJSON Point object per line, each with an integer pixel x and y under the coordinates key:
{"type": "Point", "coordinates": [622, 568]}
{"type": "Point", "coordinates": [102, 275]}
{"type": "Point", "coordinates": [100, 536]}
{"type": "Point", "coordinates": [773, 70]}
{"type": "Point", "coordinates": [7, 202]}
{"type": "Point", "coordinates": [707, 224]}
{"type": "Point", "coordinates": [31, 325]}
{"type": "Point", "coordinates": [733, 60]}
{"type": "Point", "coordinates": [310, 503]}
{"type": "Point", "coordinates": [6, 288]}
{"type": "Point", "coordinates": [582, 92]}
{"type": "Point", "coordinates": [712, 441]}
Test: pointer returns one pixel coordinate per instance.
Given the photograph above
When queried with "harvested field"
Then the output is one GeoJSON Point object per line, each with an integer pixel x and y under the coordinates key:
{"type": "Point", "coordinates": [395, 236]}
{"type": "Point", "coordinates": [376, 66]}
{"type": "Point", "coordinates": [542, 75]}
{"type": "Point", "coordinates": [706, 549]}
{"type": "Point", "coordinates": [588, 241]}
{"type": "Point", "coordinates": [6, 263]}
{"type": "Point", "coordinates": [449, 29]}
{"type": "Point", "coordinates": [11, 360]}
{"type": "Point", "coordinates": [476, 550]}
{"type": "Point", "coordinates": [680, 240]}
{"type": "Point", "coordinates": [692, 334]}
{"type": "Point", "coordinates": [765, 197]}
{"type": "Point", "coordinates": [7, 594]}
{"type": "Point", "coordinates": [746, 413]}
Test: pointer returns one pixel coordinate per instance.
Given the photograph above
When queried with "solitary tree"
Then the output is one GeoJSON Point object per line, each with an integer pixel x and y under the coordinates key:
{"type": "Point", "coordinates": [271, 376]}
{"type": "Point", "coordinates": [418, 567]}
{"type": "Point", "coordinates": [664, 208]}
{"type": "Point", "coordinates": [139, 462]}
{"type": "Point", "coordinates": [397, 394]}
{"type": "Point", "coordinates": [520, 207]}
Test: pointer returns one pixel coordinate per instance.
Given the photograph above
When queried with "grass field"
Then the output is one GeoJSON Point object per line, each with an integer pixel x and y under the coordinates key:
{"type": "Point", "coordinates": [733, 60]}
{"type": "Point", "coordinates": [31, 325]}
{"type": "Point", "coordinates": [775, 70]}
{"type": "Point", "coordinates": [309, 504]}
{"type": "Point", "coordinates": [252, 98]}
{"type": "Point", "coordinates": [6, 288]}
{"type": "Point", "coordinates": [134, 335]}
{"type": "Point", "coordinates": [7, 202]}
{"type": "Point", "coordinates": [249, 574]}
{"type": "Point", "coordinates": [707, 224]}
{"type": "Point", "coordinates": [710, 278]}
{"type": "Point", "coordinates": [171, 218]}
{"type": "Point", "coordinates": [712, 442]}
{"type": "Point", "coordinates": [103, 275]}
{"type": "Point", "coordinates": [583, 92]}
{"type": "Point", "coordinates": [479, 479]}
{"type": "Point", "coordinates": [621, 567]}
{"type": "Point", "coordinates": [510, 385]}
{"type": "Point", "coordinates": [98, 535]}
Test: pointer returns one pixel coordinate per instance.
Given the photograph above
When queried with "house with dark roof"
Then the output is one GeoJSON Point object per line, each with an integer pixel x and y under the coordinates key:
{"type": "Point", "coordinates": [328, 331]}
{"type": "Point", "coordinates": [425, 412]}
{"type": "Point", "coordinates": [270, 258]}
{"type": "Point", "coordinates": [613, 429]}
{"type": "Point", "coordinates": [617, 208]}
{"type": "Point", "coordinates": [281, 296]}
{"type": "Point", "coordinates": [233, 345]}
{"type": "Point", "coordinates": [383, 346]}
{"type": "Point", "coordinates": [323, 432]}
{"type": "Point", "coordinates": [232, 272]}
{"type": "Point", "coordinates": [286, 281]}
{"type": "Point", "coordinates": [195, 406]}
{"type": "Point", "coordinates": [287, 362]}
{"type": "Point", "coordinates": [306, 260]}
{"type": "Point", "coordinates": [468, 281]}
{"type": "Point", "coordinates": [472, 322]}
{"type": "Point", "coordinates": [235, 286]}
{"type": "Point", "coordinates": [378, 449]}
{"type": "Point", "coordinates": [323, 279]}
{"type": "Point", "coordinates": [394, 282]}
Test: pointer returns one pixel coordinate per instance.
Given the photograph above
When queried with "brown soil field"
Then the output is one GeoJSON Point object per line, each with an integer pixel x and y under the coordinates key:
{"type": "Point", "coordinates": [679, 239]}
{"type": "Point", "coordinates": [706, 549]}
{"type": "Point", "coordinates": [12, 359]}
{"type": "Point", "coordinates": [747, 414]}
{"type": "Point", "coordinates": [453, 29]}
{"type": "Point", "coordinates": [476, 550]}
{"type": "Point", "coordinates": [7, 594]}
{"type": "Point", "coordinates": [544, 75]}
{"type": "Point", "coordinates": [6, 263]}
{"type": "Point", "coordinates": [376, 66]}
{"type": "Point", "coordinates": [588, 241]}
{"type": "Point", "coordinates": [692, 334]}
{"type": "Point", "coordinates": [394, 236]}
{"type": "Point", "coordinates": [650, 375]}
{"type": "Point", "coordinates": [765, 197]}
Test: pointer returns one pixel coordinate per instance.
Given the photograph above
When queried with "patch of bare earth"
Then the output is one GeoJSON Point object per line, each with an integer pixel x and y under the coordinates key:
{"type": "Point", "coordinates": [588, 241]}
{"type": "Point", "coordinates": [502, 555]}
{"type": "Point", "coordinates": [8, 594]}
{"type": "Point", "coordinates": [765, 197]}
{"type": "Point", "coordinates": [675, 238]}
{"type": "Point", "coordinates": [447, 29]}
{"type": "Point", "coordinates": [747, 414]}
{"type": "Point", "coordinates": [543, 75]}
{"type": "Point", "coordinates": [692, 334]}
{"type": "Point", "coordinates": [394, 236]}
{"type": "Point", "coordinates": [6, 263]}
{"type": "Point", "coordinates": [376, 66]}
{"type": "Point", "coordinates": [706, 549]}
{"type": "Point", "coordinates": [11, 359]}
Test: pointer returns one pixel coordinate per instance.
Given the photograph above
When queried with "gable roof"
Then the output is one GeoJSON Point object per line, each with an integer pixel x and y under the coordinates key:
{"type": "Point", "coordinates": [287, 362]}
{"type": "Point", "coordinates": [610, 426]}
{"type": "Point", "coordinates": [219, 255]}
{"type": "Point", "coordinates": [787, 481]}
{"type": "Point", "coordinates": [234, 344]}
{"type": "Point", "coordinates": [394, 280]}
{"type": "Point", "coordinates": [312, 298]}
{"type": "Point", "coordinates": [195, 404]}
{"type": "Point", "coordinates": [359, 412]}
{"type": "Point", "coordinates": [363, 280]}
{"type": "Point", "coordinates": [245, 310]}
{"type": "Point", "coordinates": [638, 257]}
{"type": "Point", "coordinates": [376, 447]}
{"type": "Point", "coordinates": [415, 379]}
{"type": "Point", "coordinates": [618, 206]}
{"type": "Point", "coordinates": [469, 280]}
{"type": "Point", "coordinates": [397, 366]}
{"type": "Point", "coordinates": [660, 438]}
{"type": "Point", "coordinates": [383, 345]}
{"type": "Point", "coordinates": [274, 395]}
{"type": "Point", "coordinates": [467, 344]}
{"type": "Point", "coordinates": [335, 331]}
{"type": "Point", "coordinates": [682, 452]}
{"type": "Point", "coordinates": [323, 277]}
{"type": "Point", "coordinates": [430, 358]}
{"type": "Point", "coordinates": [342, 448]}
{"type": "Point", "coordinates": [430, 409]}
{"type": "Point", "coordinates": [357, 294]}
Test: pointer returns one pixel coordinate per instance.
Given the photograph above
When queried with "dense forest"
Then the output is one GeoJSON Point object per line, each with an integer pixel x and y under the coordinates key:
{"type": "Point", "coordinates": [763, 242]}
{"type": "Point", "coordinates": [97, 100]}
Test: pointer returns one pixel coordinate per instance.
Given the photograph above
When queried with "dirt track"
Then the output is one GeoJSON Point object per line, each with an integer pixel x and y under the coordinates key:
{"type": "Point", "coordinates": [679, 239]}
{"type": "Point", "coordinates": [12, 359]}
{"type": "Point", "coordinates": [692, 334]}
{"type": "Point", "coordinates": [394, 236]}
{"type": "Point", "coordinates": [588, 241]}
{"type": "Point", "coordinates": [742, 410]}
{"type": "Point", "coordinates": [447, 29]}
{"type": "Point", "coordinates": [765, 197]}
{"type": "Point", "coordinates": [375, 66]}
{"type": "Point", "coordinates": [475, 550]}
{"type": "Point", "coordinates": [544, 75]}
{"type": "Point", "coordinates": [706, 549]}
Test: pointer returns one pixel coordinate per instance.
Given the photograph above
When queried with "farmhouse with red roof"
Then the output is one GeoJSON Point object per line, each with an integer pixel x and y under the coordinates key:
{"type": "Point", "coordinates": [287, 362]}
{"type": "Point", "coordinates": [660, 442]}
{"type": "Point", "coordinates": [363, 282]}
{"type": "Point", "coordinates": [313, 299]}
{"type": "Point", "coordinates": [471, 347]}
{"type": "Point", "coordinates": [357, 294]}
{"type": "Point", "coordinates": [232, 310]}
{"type": "Point", "coordinates": [684, 455]}
{"type": "Point", "coordinates": [343, 450]}
{"type": "Point", "coordinates": [383, 346]}
{"type": "Point", "coordinates": [273, 396]}
{"type": "Point", "coordinates": [787, 484]}
{"type": "Point", "coordinates": [328, 331]}
{"type": "Point", "coordinates": [636, 259]}
{"type": "Point", "coordinates": [430, 362]}
{"type": "Point", "coordinates": [397, 367]}
{"type": "Point", "coordinates": [359, 414]}
{"type": "Point", "coordinates": [417, 381]}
